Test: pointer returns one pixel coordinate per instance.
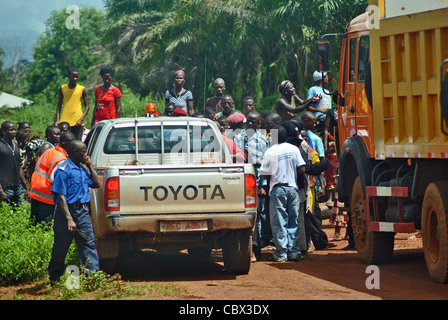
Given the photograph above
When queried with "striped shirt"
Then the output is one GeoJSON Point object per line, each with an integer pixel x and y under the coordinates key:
{"type": "Point", "coordinates": [179, 101]}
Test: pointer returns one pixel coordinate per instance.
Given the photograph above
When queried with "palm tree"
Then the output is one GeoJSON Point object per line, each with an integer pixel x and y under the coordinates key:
{"type": "Point", "coordinates": [252, 44]}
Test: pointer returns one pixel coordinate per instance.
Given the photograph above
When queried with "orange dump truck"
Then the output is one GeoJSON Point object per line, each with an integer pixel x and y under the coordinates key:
{"type": "Point", "coordinates": [392, 128]}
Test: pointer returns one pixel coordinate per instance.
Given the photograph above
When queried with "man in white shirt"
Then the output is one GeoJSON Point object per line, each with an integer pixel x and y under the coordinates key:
{"type": "Point", "coordinates": [282, 163]}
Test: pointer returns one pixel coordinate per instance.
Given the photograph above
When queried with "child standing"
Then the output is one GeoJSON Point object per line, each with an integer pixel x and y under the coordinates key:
{"type": "Point", "coordinates": [330, 173]}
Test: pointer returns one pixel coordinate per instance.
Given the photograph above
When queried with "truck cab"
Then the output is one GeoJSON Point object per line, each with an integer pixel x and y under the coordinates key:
{"type": "Point", "coordinates": [355, 111]}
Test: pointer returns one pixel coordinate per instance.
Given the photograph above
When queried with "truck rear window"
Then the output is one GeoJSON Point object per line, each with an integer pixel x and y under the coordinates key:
{"type": "Point", "coordinates": [175, 139]}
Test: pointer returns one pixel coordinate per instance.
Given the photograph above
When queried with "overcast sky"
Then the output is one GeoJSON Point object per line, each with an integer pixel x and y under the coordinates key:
{"type": "Point", "coordinates": [17, 15]}
{"type": "Point", "coordinates": [25, 19]}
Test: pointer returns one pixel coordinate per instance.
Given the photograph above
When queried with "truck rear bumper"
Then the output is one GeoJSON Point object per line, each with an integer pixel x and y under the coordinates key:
{"type": "Point", "coordinates": [152, 223]}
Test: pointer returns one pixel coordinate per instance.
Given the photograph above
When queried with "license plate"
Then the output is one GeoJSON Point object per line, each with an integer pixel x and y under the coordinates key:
{"type": "Point", "coordinates": [179, 226]}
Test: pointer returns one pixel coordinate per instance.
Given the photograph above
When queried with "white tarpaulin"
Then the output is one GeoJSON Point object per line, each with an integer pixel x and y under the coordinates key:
{"type": "Point", "coordinates": [10, 101]}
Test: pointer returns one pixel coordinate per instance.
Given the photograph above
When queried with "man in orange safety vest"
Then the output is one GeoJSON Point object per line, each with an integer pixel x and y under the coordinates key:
{"type": "Point", "coordinates": [42, 203]}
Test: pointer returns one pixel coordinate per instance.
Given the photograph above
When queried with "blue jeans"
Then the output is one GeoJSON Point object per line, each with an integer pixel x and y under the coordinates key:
{"type": "Point", "coordinates": [262, 232]}
{"type": "Point", "coordinates": [84, 239]}
{"type": "Point", "coordinates": [14, 194]}
{"type": "Point", "coordinates": [284, 213]}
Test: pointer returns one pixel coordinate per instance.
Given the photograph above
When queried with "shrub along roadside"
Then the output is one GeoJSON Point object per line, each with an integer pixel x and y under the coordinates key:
{"type": "Point", "coordinates": [25, 249]}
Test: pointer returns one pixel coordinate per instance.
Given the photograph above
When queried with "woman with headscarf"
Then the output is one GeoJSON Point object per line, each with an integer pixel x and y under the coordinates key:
{"type": "Point", "coordinates": [179, 96]}
{"type": "Point", "coordinates": [107, 98]}
{"type": "Point", "coordinates": [289, 104]}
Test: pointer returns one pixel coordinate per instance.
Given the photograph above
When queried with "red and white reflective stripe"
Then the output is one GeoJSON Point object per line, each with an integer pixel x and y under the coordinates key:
{"type": "Point", "coordinates": [386, 191]}
{"type": "Point", "coordinates": [391, 227]}
{"type": "Point", "coordinates": [418, 155]}
{"type": "Point", "coordinates": [380, 226]}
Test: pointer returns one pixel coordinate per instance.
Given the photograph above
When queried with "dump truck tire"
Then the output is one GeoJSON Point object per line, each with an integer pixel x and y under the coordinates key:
{"type": "Point", "coordinates": [372, 247]}
{"type": "Point", "coordinates": [435, 230]}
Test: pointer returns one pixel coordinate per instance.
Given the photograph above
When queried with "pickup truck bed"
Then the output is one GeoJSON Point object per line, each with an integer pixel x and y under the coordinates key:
{"type": "Point", "coordinates": [168, 196]}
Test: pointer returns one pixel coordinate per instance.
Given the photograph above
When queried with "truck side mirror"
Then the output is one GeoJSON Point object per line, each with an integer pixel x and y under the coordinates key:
{"type": "Point", "coordinates": [444, 97]}
{"type": "Point", "coordinates": [322, 53]}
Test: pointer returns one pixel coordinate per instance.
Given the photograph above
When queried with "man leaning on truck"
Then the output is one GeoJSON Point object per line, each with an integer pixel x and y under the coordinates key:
{"type": "Point", "coordinates": [72, 219]}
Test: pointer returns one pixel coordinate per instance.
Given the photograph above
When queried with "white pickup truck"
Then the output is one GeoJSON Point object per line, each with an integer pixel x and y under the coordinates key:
{"type": "Point", "coordinates": [169, 184]}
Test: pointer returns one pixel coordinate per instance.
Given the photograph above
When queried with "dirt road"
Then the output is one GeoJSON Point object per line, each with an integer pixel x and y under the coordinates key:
{"type": "Point", "coordinates": [332, 274]}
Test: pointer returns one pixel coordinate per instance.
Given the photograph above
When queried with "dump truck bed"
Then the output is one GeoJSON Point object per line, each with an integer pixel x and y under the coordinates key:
{"type": "Point", "coordinates": [407, 51]}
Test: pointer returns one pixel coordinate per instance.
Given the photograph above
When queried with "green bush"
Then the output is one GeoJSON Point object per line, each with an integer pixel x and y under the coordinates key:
{"type": "Point", "coordinates": [25, 249]}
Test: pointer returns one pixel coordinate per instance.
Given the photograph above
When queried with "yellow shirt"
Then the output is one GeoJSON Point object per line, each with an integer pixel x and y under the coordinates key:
{"type": "Point", "coordinates": [71, 109]}
{"type": "Point", "coordinates": [312, 192]}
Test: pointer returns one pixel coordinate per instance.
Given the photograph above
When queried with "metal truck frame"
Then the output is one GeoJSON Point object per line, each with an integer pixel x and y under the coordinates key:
{"type": "Point", "coordinates": [392, 126]}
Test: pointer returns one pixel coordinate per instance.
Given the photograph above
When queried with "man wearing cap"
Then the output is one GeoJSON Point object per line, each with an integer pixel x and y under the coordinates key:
{"type": "Point", "coordinates": [321, 107]}
{"type": "Point", "coordinates": [236, 120]}
{"type": "Point", "coordinates": [179, 112]}
{"type": "Point", "coordinates": [235, 131]}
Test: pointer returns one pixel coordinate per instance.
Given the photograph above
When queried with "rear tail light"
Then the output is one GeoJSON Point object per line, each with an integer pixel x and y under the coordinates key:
{"type": "Point", "coordinates": [112, 194]}
{"type": "Point", "coordinates": [250, 191]}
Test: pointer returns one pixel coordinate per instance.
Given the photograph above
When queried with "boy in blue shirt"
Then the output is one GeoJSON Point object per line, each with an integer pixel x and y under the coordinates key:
{"type": "Point", "coordinates": [71, 186]}
{"type": "Point", "coordinates": [321, 107]}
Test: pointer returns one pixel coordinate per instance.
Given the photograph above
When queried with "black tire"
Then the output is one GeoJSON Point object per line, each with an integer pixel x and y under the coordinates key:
{"type": "Point", "coordinates": [372, 247]}
{"type": "Point", "coordinates": [237, 252]}
{"type": "Point", "coordinates": [435, 230]}
{"type": "Point", "coordinates": [200, 253]}
{"type": "Point", "coordinates": [108, 265]}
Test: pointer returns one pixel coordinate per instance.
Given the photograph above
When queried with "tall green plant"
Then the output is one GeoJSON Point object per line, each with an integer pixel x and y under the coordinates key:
{"type": "Point", "coordinates": [60, 47]}
{"type": "Point", "coordinates": [253, 45]}
{"type": "Point", "coordinates": [25, 249]}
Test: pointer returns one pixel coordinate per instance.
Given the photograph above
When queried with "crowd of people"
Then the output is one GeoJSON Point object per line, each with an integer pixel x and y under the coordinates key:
{"type": "Point", "coordinates": [293, 151]}
{"type": "Point", "coordinates": [289, 218]}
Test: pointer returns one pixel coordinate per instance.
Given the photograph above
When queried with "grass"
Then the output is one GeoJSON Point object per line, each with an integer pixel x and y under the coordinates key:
{"type": "Point", "coordinates": [97, 286]}
{"type": "Point", "coordinates": [25, 251]}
